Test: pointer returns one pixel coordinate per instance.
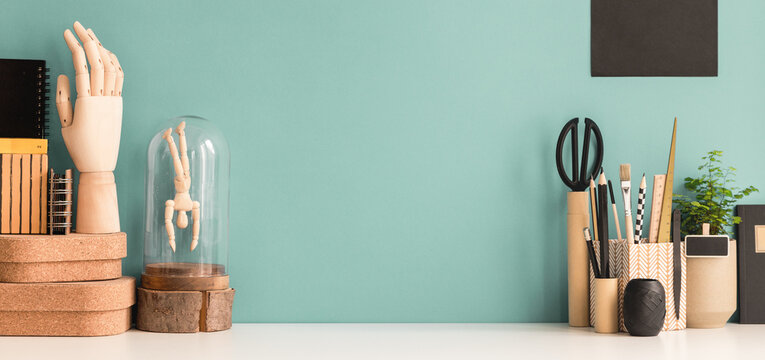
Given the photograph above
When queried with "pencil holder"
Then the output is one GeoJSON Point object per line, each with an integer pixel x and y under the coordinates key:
{"type": "Point", "coordinates": [605, 308]}
{"type": "Point", "coordinates": [646, 261]}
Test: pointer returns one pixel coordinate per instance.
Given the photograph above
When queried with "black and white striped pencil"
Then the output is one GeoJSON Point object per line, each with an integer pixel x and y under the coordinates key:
{"type": "Point", "coordinates": [640, 211]}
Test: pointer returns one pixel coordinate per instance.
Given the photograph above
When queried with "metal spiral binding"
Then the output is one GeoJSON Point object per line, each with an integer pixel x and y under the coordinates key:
{"type": "Point", "coordinates": [60, 203]}
{"type": "Point", "coordinates": [42, 100]}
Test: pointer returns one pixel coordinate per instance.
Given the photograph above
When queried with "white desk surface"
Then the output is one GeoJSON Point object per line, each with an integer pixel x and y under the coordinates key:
{"type": "Point", "coordinates": [398, 341]}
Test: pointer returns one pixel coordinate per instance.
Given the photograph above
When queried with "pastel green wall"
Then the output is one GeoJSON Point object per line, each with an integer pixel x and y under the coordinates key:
{"type": "Point", "coordinates": [392, 161]}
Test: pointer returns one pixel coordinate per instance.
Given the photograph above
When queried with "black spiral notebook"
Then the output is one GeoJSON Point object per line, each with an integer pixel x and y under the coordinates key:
{"type": "Point", "coordinates": [23, 98]}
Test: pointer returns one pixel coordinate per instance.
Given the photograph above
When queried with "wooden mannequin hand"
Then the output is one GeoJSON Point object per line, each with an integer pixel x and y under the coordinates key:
{"type": "Point", "coordinates": [92, 131]}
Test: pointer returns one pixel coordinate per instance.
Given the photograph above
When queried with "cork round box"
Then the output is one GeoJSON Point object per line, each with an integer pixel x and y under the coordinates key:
{"type": "Point", "coordinates": [185, 279]}
{"type": "Point", "coordinates": [55, 258]}
{"type": "Point", "coordinates": [86, 308]}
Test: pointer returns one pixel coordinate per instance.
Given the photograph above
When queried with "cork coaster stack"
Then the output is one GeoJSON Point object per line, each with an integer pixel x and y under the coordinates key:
{"type": "Point", "coordinates": [184, 298]}
{"type": "Point", "coordinates": [64, 285]}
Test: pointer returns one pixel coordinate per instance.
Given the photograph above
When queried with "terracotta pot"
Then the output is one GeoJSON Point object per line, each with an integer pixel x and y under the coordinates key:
{"type": "Point", "coordinates": [712, 286]}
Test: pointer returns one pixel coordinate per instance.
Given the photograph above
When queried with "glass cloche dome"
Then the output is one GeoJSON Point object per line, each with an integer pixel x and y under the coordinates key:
{"type": "Point", "coordinates": [187, 207]}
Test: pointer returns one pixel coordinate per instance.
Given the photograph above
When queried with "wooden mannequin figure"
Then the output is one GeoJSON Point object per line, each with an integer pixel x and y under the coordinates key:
{"type": "Point", "coordinates": [182, 201]}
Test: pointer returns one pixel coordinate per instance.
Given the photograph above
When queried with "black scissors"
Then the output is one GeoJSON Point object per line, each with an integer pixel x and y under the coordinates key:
{"type": "Point", "coordinates": [581, 182]}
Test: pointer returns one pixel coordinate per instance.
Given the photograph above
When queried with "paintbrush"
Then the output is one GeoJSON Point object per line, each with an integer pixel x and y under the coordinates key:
{"type": "Point", "coordinates": [616, 213]}
{"type": "Point", "coordinates": [624, 176]}
{"type": "Point", "coordinates": [603, 223]}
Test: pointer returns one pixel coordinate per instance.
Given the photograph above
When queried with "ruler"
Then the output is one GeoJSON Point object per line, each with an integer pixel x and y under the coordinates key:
{"type": "Point", "coordinates": [666, 207]}
{"type": "Point", "coordinates": [656, 199]}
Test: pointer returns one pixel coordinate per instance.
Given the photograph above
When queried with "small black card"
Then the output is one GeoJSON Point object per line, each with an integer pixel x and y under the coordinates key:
{"type": "Point", "coordinates": [706, 245]}
{"type": "Point", "coordinates": [653, 38]}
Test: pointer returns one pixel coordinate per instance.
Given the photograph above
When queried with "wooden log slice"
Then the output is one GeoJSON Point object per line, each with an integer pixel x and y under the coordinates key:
{"type": "Point", "coordinates": [184, 311]}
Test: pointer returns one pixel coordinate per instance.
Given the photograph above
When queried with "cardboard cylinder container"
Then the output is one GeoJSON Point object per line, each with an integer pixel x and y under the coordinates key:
{"type": "Point", "coordinates": [606, 305]}
{"type": "Point", "coordinates": [578, 261]}
{"type": "Point", "coordinates": [712, 286]}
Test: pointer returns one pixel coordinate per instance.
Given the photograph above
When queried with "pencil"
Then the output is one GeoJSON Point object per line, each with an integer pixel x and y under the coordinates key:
{"type": "Point", "coordinates": [640, 210]}
{"type": "Point", "coordinates": [591, 250]}
{"type": "Point", "coordinates": [616, 213]}
{"type": "Point", "coordinates": [594, 208]}
{"type": "Point", "coordinates": [603, 222]}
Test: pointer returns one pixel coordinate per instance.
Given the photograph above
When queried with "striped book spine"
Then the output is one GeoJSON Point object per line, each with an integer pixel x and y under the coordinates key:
{"type": "Point", "coordinates": [22, 193]}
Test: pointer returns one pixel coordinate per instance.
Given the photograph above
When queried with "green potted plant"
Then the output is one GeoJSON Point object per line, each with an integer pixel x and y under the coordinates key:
{"type": "Point", "coordinates": [714, 201]}
{"type": "Point", "coordinates": [711, 281]}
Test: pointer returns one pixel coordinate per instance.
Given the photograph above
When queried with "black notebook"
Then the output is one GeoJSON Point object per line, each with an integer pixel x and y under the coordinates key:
{"type": "Point", "coordinates": [751, 263]}
{"type": "Point", "coordinates": [23, 98]}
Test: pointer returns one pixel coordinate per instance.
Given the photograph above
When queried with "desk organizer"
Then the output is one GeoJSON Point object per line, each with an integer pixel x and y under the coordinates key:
{"type": "Point", "coordinates": [648, 260]}
{"type": "Point", "coordinates": [92, 308]}
{"type": "Point", "coordinates": [54, 258]}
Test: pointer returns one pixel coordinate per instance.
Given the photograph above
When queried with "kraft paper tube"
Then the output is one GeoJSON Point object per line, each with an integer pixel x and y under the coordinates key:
{"type": "Point", "coordinates": [606, 299]}
{"type": "Point", "coordinates": [578, 261]}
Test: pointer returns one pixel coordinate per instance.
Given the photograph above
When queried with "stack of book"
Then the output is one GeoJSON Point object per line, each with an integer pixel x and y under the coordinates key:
{"type": "Point", "coordinates": [23, 147]}
{"type": "Point", "coordinates": [53, 282]}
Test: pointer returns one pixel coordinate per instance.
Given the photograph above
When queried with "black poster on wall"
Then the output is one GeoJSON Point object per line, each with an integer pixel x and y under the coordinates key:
{"type": "Point", "coordinates": [653, 38]}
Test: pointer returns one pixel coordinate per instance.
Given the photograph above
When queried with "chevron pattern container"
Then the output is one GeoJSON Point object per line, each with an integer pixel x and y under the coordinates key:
{"type": "Point", "coordinates": [645, 261]}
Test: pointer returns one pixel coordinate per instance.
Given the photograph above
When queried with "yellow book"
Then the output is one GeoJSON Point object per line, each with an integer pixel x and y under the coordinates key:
{"type": "Point", "coordinates": [23, 146]}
